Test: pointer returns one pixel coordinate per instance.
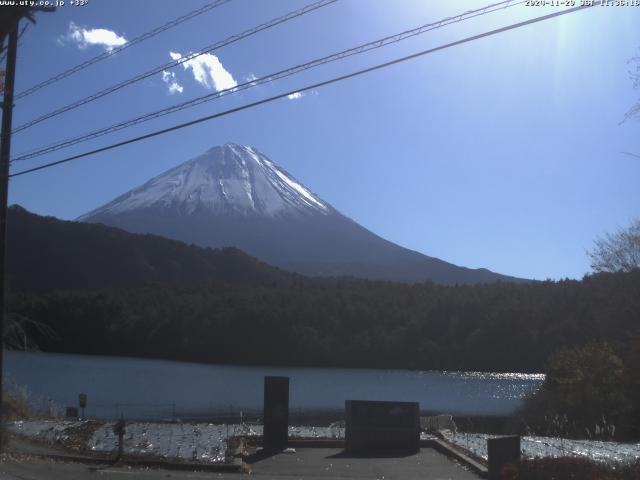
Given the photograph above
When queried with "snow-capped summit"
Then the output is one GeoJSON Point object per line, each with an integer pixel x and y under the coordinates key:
{"type": "Point", "coordinates": [225, 179]}
{"type": "Point", "coordinates": [233, 195]}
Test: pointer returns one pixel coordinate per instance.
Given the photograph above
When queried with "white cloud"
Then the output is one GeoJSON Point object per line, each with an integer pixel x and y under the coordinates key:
{"type": "Point", "coordinates": [172, 84]}
{"type": "Point", "coordinates": [251, 79]}
{"type": "Point", "coordinates": [207, 70]}
{"type": "Point", "coordinates": [299, 95]}
{"type": "Point", "coordinates": [84, 37]}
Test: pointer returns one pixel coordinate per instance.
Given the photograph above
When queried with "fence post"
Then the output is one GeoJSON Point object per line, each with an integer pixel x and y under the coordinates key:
{"type": "Point", "coordinates": [501, 451]}
{"type": "Point", "coordinates": [276, 413]}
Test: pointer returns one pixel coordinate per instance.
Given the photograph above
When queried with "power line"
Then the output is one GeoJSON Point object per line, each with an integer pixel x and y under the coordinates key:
{"type": "Point", "coordinates": [130, 43]}
{"type": "Point", "coordinates": [172, 64]}
{"type": "Point", "coordinates": [270, 78]}
{"type": "Point", "coordinates": [302, 89]}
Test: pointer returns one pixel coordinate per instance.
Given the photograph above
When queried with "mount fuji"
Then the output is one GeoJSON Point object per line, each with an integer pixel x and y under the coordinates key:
{"type": "Point", "coordinates": [233, 195]}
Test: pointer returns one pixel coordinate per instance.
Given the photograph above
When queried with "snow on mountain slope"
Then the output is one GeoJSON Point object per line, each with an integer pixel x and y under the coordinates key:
{"type": "Point", "coordinates": [229, 179]}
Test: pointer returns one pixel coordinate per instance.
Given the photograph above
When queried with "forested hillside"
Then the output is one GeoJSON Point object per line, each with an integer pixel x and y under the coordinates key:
{"type": "Point", "coordinates": [45, 253]}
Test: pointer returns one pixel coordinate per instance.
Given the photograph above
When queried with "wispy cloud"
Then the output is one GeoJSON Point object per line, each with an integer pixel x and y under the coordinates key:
{"type": "Point", "coordinates": [207, 70]}
{"type": "Point", "coordinates": [251, 79]}
{"type": "Point", "coordinates": [172, 84]}
{"type": "Point", "coordinates": [84, 37]}
{"type": "Point", "coordinates": [299, 95]}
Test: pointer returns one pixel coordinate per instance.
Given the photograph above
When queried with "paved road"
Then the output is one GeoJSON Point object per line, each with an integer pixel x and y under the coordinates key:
{"type": "Point", "coordinates": [312, 463]}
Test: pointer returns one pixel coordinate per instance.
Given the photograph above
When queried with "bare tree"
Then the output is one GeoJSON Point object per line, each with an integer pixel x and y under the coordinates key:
{"type": "Point", "coordinates": [19, 330]}
{"type": "Point", "coordinates": [617, 252]}
{"type": "Point", "coordinates": [634, 73]}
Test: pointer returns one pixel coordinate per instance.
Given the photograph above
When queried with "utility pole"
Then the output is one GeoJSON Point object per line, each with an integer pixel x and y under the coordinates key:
{"type": "Point", "coordinates": [5, 154]}
{"type": "Point", "coordinates": [8, 26]}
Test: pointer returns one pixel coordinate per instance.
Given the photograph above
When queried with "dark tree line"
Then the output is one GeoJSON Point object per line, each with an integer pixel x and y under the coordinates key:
{"type": "Point", "coordinates": [342, 322]}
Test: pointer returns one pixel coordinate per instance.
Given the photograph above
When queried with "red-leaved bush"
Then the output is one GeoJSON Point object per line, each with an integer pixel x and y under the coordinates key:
{"type": "Point", "coordinates": [569, 468]}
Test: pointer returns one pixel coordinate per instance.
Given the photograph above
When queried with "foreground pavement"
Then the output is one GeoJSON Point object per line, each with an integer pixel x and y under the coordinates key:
{"type": "Point", "coordinates": [333, 463]}
{"type": "Point", "coordinates": [313, 463]}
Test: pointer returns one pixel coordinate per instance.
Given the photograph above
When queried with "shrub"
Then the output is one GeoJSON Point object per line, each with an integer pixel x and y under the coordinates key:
{"type": "Point", "coordinates": [584, 395]}
{"type": "Point", "coordinates": [15, 406]}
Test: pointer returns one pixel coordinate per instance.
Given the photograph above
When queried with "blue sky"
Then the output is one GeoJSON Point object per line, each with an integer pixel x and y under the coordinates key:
{"type": "Point", "coordinates": [504, 153]}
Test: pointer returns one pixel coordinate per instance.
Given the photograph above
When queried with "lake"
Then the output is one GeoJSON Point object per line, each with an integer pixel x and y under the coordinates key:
{"type": "Point", "coordinates": [143, 388]}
